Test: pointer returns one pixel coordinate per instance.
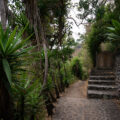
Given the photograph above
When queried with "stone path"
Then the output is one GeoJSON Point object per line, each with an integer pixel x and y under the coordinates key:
{"type": "Point", "coordinates": [74, 105]}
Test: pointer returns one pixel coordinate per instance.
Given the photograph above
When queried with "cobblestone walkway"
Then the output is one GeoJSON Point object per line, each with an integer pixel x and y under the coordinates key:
{"type": "Point", "coordinates": [74, 105]}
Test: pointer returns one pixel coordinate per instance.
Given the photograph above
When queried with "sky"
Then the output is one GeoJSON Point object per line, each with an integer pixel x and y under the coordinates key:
{"type": "Point", "coordinates": [73, 13]}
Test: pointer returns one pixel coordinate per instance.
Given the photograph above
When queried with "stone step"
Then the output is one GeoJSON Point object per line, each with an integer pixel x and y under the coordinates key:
{"type": "Point", "coordinates": [102, 77]}
{"type": "Point", "coordinates": [101, 87]}
{"type": "Point", "coordinates": [104, 69]}
{"type": "Point", "coordinates": [101, 73]}
{"type": "Point", "coordinates": [102, 94]}
{"type": "Point", "coordinates": [102, 82]}
{"type": "Point", "coordinates": [117, 73]}
{"type": "Point", "coordinates": [101, 70]}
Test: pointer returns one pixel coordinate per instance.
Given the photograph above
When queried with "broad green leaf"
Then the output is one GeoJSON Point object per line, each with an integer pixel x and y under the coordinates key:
{"type": "Point", "coordinates": [5, 36]}
{"type": "Point", "coordinates": [11, 38]}
{"type": "Point", "coordinates": [113, 35]}
{"type": "Point", "coordinates": [18, 36]}
{"type": "Point", "coordinates": [22, 52]}
{"type": "Point", "coordinates": [20, 45]}
{"type": "Point", "coordinates": [7, 70]}
{"type": "Point", "coordinates": [111, 29]}
{"type": "Point", "coordinates": [116, 24]}
{"type": "Point", "coordinates": [2, 47]}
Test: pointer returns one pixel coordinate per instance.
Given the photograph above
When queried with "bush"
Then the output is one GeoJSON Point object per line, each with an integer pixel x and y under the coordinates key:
{"type": "Point", "coordinates": [76, 67]}
{"type": "Point", "coordinates": [68, 77]}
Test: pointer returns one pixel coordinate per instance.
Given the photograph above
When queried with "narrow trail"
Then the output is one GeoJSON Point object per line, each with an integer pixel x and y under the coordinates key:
{"type": "Point", "coordinates": [74, 105]}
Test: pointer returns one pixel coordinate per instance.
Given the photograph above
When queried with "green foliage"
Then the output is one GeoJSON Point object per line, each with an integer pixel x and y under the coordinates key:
{"type": "Point", "coordinates": [88, 8]}
{"type": "Point", "coordinates": [24, 70]}
{"type": "Point", "coordinates": [26, 97]}
{"type": "Point", "coordinates": [98, 34]}
{"type": "Point", "coordinates": [68, 77]}
{"type": "Point", "coordinates": [114, 33]}
{"type": "Point", "coordinates": [76, 67]}
{"type": "Point", "coordinates": [100, 11]}
{"type": "Point", "coordinates": [95, 38]}
{"type": "Point", "coordinates": [50, 84]}
{"type": "Point", "coordinates": [98, 31]}
{"type": "Point", "coordinates": [7, 70]}
{"type": "Point", "coordinates": [14, 55]}
{"type": "Point", "coordinates": [85, 59]}
{"type": "Point", "coordinates": [12, 48]}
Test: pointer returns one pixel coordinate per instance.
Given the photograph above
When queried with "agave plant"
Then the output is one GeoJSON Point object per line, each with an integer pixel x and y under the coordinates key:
{"type": "Point", "coordinates": [12, 49]}
{"type": "Point", "coordinates": [114, 32]}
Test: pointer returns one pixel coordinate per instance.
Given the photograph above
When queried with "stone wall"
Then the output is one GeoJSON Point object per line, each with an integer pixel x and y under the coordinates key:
{"type": "Point", "coordinates": [105, 60]}
{"type": "Point", "coordinates": [117, 71]}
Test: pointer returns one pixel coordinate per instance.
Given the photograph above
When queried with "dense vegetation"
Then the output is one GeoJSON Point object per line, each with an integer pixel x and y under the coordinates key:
{"type": "Point", "coordinates": [36, 48]}
{"type": "Point", "coordinates": [35, 51]}
{"type": "Point", "coordinates": [102, 30]}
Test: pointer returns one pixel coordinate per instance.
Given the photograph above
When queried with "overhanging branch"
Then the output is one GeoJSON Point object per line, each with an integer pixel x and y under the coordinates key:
{"type": "Point", "coordinates": [81, 23]}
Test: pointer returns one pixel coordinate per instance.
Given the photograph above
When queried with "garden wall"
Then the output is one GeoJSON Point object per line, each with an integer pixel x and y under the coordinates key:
{"type": "Point", "coordinates": [117, 71]}
{"type": "Point", "coordinates": [105, 60]}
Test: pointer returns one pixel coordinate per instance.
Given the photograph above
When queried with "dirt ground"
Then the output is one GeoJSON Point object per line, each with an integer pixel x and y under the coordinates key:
{"type": "Point", "coordinates": [77, 90]}
{"type": "Point", "coordinates": [74, 105]}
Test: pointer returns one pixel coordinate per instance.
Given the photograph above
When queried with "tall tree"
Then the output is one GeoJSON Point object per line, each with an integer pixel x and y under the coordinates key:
{"type": "Point", "coordinates": [33, 14]}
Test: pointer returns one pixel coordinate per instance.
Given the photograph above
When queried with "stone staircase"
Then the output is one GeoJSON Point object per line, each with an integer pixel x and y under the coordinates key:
{"type": "Point", "coordinates": [101, 84]}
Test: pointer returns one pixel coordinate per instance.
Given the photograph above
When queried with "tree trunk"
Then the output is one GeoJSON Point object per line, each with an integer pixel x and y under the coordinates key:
{"type": "Point", "coordinates": [52, 97]}
{"type": "Point", "coordinates": [3, 13]}
{"type": "Point", "coordinates": [6, 107]}
{"type": "Point", "coordinates": [54, 82]}
{"type": "Point", "coordinates": [34, 18]}
{"type": "Point", "coordinates": [66, 81]}
{"type": "Point", "coordinates": [56, 89]}
{"type": "Point", "coordinates": [61, 78]}
{"type": "Point", "coordinates": [32, 117]}
{"type": "Point", "coordinates": [48, 104]}
{"type": "Point", "coordinates": [22, 107]}
{"type": "Point", "coordinates": [61, 22]}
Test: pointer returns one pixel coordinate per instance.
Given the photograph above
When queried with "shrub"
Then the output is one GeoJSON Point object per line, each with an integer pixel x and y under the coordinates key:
{"type": "Point", "coordinates": [68, 77]}
{"type": "Point", "coordinates": [76, 67]}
